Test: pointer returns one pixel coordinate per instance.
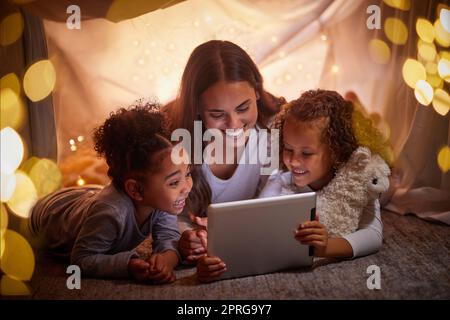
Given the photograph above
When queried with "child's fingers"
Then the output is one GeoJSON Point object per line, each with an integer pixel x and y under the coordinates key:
{"type": "Point", "coordinates": [310, 224]}
{"type": "Point", "coordinates": [310, 237]}
{"type": "Point", "coordinates": [140, 264]}
{"type": "Point", "coordinates": [205, 260]}
{"type": "Point", "coordinates": [202, 222]}
{"type": "Point", "coordinates": [214, 267]}
{"type": "Point", "coordinates": [194, 257]}
{"type": "Point", "coordinates": [203, 236]}
{"type": "Point", "coordinates": [191, 245]}
{"type": "Point", "coordinates": [308, 231]}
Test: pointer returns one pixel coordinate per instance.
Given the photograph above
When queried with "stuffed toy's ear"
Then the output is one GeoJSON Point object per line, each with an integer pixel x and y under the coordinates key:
{"type": "Point", "coordinates": [361, 157]}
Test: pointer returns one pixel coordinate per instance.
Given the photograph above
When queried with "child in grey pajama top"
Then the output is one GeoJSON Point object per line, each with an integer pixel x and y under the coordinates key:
{"type": "Point", "coordinates": [97, 228]}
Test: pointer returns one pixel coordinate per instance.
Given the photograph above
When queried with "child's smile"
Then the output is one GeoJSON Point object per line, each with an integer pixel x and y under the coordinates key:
{"type": "Point", "coordinates": [305, 155]}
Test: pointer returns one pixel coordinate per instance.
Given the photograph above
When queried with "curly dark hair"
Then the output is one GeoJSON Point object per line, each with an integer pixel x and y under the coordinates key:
{"type": "Point", "coordinates": [323, 104]}
{"type": "Point", "coordinates": [129, 140]}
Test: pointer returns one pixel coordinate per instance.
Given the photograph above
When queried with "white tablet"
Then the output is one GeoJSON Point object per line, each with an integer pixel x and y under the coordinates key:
{"type": "Point", "coordinates": [257, 236]}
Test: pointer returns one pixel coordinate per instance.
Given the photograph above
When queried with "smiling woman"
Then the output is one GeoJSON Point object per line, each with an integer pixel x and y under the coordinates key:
{"type": "Point", "coordinates": [223, 88]}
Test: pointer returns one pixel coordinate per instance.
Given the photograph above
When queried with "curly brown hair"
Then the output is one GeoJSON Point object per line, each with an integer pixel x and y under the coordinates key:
{"type": "Point", "coordinates": [129, 140]}
{"type": "Point", "coordinates": [320, 104]}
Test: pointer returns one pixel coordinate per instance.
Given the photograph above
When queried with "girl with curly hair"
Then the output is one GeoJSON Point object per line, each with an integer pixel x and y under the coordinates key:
{"type": "Point", "coordinates": [100, 229]}
{"type": "Point", "coordinates": [316, 140]}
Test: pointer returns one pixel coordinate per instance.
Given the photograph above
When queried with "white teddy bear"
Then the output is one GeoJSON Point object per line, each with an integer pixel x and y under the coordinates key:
{"type": "Point", "coordinates": [362, 179]}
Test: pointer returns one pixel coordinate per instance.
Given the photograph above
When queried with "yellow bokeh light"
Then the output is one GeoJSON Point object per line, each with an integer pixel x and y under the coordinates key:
{"type": "Point", "coordinates": [431, 68]}
{"type": "Point", "coordinates": [443, 159]}
{"type": "Point", "coordinates": [8, 184]}
{"type": "Point", "coordinates": [413, 71]}
{"type": "Point", "coordinates": [81, 182]}
{"type": "Point", "coordinates": [28, 164]}
{"type": "Point", "coordinates": [423, 92]}
{"type": "Point", "coordinates": [435, 81]}
{"type": "Point", "coordinates": [399, 4]}
{"type": "Point", "coordinates": [10, 81]}
{"type": "Point", "coordinates": [335, 68]}
{"type": "Point", "coordinates": [444, 69]}
{"type": "Point", "coordinates": [24, 197]}
{"type": "Point", "coordinates": [3, 219]}
{"type": "Point", "coordinates": [427, 51]}
{"type": "Point", "coordinates": [425, 30]}
{"type": "Point", "coordinates": [379, 51]}
{"type": "Point", "coordinates": [444, 17]}
{"type": "Point", "coordinates": [12, 150]}
{"type": "Point", "coordinates": [441, 102]}
{"type": "Point", "coordinates": [18, 257]}
{"type": "Point", "coordinates": [442, 36]}
{"type": "Point", "coordinates": [39, 80]}
{"type": "Point", "coordinates": [396, 31]}
{"type": "Point", "coordinates": [11, 28]}
{"type": "Point", "coordinates": [2, 245]}
{"type": "Point", "coordinates": [45, 176]}
{"type": "Point", "coordinates": [12, 110]}
{"type": "Point", "coordinates": [13, 287]}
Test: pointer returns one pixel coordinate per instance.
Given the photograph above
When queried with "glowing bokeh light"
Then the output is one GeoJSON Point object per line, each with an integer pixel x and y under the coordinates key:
{"type": "Point", "coordinates": [11, 29]}
{"type": "Point", "coordinates": [379, 51]}
{"type": "Point", "coordinates": [435, 81]}
{"type": "Point", "coordinates": [13, 287]}
{"type": "Point", "coordinates": [18, 257]}
{"type": "Point", "coordinates": [12, 150]}
{"type": "Point", "coordinates": [24, 197]}
{"type": "Point", "coordinates": [427, 51]}
{"type": "Point", "coordinates": [45, 176]}
{"type": "Point", "coordinates": [441, 102]}
{"type": "Point", "coordinates": [444, 69]}
{"type": "Point", "coordinates": [10, 81]}
{"type": "Point", "coordinates": [444, 55]}
{"type": "Point", "coordinates": [404, 5]}
{"type": "Point", "coordinates": [442, 36]}
{"type": "Point", "coordinates": [8, 184]}
{"type": "Point", "coordinates": [39, 80]}
{"type": "Point", "coordinates": [81, 182]}
{"type": "Point", "coordinates": [443, 159]}
{"type": "Point", "coordinates": [444, 17]}
{"type": "Point", "coordinates": [12, 110]}
{"type": "Point", "coordinates": [425, 30]}
{"type": "Point", "coordinates": [423, 92]}
{"type": "Point", "coordinates": [431, 68]}
{"type": "Point", "coordinates": [3, 219]}
{"type": "Point", "coordinates": [396, 31]}
{"type": "Point", "coordinates": [413, 71]}
{"type": "Point", "coordinates": [28, 164]}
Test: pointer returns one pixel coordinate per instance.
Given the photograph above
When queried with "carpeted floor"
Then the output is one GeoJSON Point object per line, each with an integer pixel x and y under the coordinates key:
{"type": "Point", "coordinates": [414, 262]}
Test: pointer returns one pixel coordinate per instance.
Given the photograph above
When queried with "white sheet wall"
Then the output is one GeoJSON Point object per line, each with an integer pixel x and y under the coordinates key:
{"type": "Point", "coordinates": [298, 44]}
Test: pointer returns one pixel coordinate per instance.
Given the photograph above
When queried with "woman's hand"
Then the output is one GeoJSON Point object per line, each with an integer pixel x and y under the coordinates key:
{"type": "Point", "coordinates": [193, 244]}
{"type": "Point", "coordinates": [313, 233]}
{"type": "Point", "coordinates": [210, 268]}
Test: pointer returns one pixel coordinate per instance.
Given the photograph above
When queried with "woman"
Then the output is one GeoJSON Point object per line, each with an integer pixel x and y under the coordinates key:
{"type": "Point", "coordinates": [221, 88]}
